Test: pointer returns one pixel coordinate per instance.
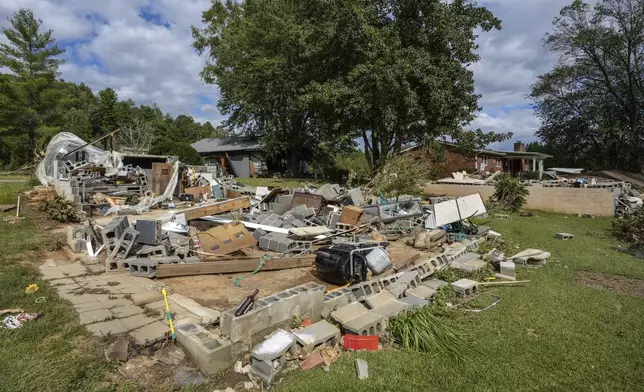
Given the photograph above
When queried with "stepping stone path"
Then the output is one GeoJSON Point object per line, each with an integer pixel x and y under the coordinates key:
{"type": "Point", "coordinates": [103, 302]}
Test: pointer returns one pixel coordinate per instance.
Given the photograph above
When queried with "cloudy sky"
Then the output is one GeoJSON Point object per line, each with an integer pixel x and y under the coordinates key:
{"type": "Point", "coordinates": [143, 49]}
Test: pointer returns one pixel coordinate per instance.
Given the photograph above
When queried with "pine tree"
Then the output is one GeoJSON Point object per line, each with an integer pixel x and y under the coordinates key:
{"type": "Point", "coordinates": [28, 94]}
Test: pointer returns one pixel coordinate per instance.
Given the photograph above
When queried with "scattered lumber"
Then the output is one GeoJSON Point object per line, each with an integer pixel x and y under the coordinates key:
{"type": "Point", "coordinates": [217, 208]}
{"type": "Point", "coordinates": [227, 266]}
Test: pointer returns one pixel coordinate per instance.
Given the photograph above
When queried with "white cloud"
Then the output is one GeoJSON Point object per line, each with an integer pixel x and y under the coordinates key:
{"type": "Point", "coordinates": [153, 61]}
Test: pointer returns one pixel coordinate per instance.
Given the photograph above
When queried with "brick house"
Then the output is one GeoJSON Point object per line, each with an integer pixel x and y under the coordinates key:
{"type": "Point", "coordinates": [488, 161]}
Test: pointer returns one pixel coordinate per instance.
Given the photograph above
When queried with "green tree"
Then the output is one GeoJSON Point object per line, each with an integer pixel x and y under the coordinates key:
{"type": "Point", "coordinates": [311, 78]}
{"type": "Point", "coordinates": [591, 103]}
{"type": "Point", "coordinates": [183, 150]}
{"type": "Point", "coordinates": [28, 94]}
{"type": "Point", "coordinates": [107, 111]}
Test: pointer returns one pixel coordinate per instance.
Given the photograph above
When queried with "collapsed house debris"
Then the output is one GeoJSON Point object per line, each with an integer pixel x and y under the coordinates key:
{"type": "Point", "coordinates": [373, 258]}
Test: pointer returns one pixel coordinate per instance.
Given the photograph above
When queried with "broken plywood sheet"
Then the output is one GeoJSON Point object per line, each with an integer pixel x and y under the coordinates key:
{"type": "Point", "coordinates": [307, 199]}
{"type": "Point", "coordinates": [351, 215]}
{"type": "Point", "coordinates": [226, 239]}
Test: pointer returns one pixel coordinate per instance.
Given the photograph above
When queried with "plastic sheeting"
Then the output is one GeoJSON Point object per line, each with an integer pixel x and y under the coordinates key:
{"type": "Point", "coordinates": [66, 142]}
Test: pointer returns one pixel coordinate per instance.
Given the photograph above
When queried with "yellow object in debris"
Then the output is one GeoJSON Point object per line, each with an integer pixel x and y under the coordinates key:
{"type": "Point", "coordinates": [168, 314]}
{"type": "Point", "coordinates": [489, 278]}
{"type": "Point", "coordinates": [32, 288]}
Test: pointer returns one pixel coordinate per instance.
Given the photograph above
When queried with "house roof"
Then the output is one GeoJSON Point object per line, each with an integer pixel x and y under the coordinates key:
{"type": "Point", "coordinates": [485, 151]}
{"type": "Point", "coordinates": [226, 144]}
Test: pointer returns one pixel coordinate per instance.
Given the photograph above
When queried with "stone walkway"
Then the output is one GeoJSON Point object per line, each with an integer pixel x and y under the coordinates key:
{"type": "Point", "coordinates": [105, 302]}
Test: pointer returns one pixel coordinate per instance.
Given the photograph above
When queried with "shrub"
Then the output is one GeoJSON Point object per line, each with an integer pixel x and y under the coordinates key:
{"type": "Point", "coordinates": [61, 210]}
{"type": "Point", "coordinates": [184, 151]}
{"type": "Point", "coordinates": [630, 227]}
{"type": "Point", "coordinates": [509, 193]}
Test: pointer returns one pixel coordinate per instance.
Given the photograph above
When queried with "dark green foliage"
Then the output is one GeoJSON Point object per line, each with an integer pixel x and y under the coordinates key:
{"type": "Point", "coordinates": [61, 210]}
{"type": "Point", "coordinates": [591, 103]}
{"type": "Point", "coordinates": [420, 330]}
{"type": "Point", "coordinates": [630, 227]}
{"type": "Point", "coordinates": [184, 151]}
{"type": "Point", "coordinates": [509, 193]}
{"type": "Point", "coordinates": [529, 175]}
{"type": "Point", "coordinates": [310, 78]}
{"type": "Point", "coordinates": [28, 95]}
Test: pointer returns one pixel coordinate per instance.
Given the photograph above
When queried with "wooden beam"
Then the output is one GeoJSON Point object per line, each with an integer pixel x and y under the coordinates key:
{"type": "Point", "coordinates": [217, 208]}
{"type": "Point", "coordinates": [232, 266]}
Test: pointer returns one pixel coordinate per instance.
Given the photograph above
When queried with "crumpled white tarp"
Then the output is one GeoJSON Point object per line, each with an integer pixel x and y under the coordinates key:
{"type": "Point", "coordinates": [65, 142]}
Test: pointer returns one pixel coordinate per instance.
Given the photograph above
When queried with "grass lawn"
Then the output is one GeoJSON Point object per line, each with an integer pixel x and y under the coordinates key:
{"type": "Point", "coordinates": [549, 335]}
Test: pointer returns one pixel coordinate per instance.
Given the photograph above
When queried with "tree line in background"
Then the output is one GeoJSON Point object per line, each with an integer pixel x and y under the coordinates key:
{"type": "Point", "coordinates": [35, 105]}
{"type": "Point", "coordinates": [309, 78]}
{"type": "Point", "coordinates": [591, 104]}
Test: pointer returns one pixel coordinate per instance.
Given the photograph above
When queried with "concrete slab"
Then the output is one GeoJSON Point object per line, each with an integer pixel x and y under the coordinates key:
{"type": "Point", "coordinates": [94, 316]}
{"type": "Point", "coordinates": [62, 271]}
{"type": "Point", "coordinates": [136, 321]}
{"type": "Point", "coordinates": [146, 297]}
{"type": "Point", "coordinates": [349, 312]}
{"type": "Point", "coordinates": [470, 266]}
{"type": "Point", "coordinates": [86, 307]}
{"type": "Point", "coordinates": [150, 333]}
{"type": "Point", "coordinates": [208, 316]}
{"type": "Point", "coordinates": [126, 311]}
{"type": "Point", "coordinates": [79, 299]}
{"type": "Point", "coordinates": [60, 282]}
{"type": "Point", "coordinates": [105, 328]}
{"type": "Point", "coordinates": [111, 303]}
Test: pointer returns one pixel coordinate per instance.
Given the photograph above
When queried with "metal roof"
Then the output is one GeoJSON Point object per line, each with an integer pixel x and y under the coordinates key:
{"type": "Point", "coordinates": [226, 144]}
{"type": "Point", "coordinates": [508, 154]}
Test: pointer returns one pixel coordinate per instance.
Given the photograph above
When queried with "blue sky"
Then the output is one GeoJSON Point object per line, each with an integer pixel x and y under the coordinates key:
{"type": "Point", "coordinates": [143, 49]}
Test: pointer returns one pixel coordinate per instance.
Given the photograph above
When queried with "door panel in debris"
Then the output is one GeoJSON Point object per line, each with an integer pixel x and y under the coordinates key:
{"type": "Point", "coordinates": [161, 176]}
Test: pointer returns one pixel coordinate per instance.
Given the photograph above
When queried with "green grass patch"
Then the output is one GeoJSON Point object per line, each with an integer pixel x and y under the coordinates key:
{"type": "Point", "coordinates": [549, 335]}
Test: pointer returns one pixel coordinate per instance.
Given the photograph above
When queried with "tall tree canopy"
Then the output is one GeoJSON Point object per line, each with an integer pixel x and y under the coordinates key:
{"type": "Point", "coordinates": [592, 103]}
{"type": "Point", "coordinates": [308, 77]}
{"type": "Point", "coordinates": [35, 105]}
{"type": "Point", "coordinates": [28, 94]}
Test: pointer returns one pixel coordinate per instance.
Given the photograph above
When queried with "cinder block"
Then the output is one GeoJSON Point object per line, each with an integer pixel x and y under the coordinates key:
{"type": "Point", "coordinates": [212, 353]}
{"type": "Point", "coordinates": [391, 308]}
{"type": "Point", "coordinates": [508, 268]}
{"type": "Point", "coordinates": [145, 268]}
{"type": "Point", "coordinates": [411, 278]}
{"type": "Point", "coordinates": [364, 289]}
{"type": "Point", "coordinates": [335, 300]}
{"type": "Point", "coordinates": [564, 236]}
{"type": "Point", "coordinates": [316, 334]}
{"type": "Point", "coordinates": [76, 237]}
{"type": "Point", "coordinates": [435, 284]}
{"type": "Point", "coordinates": [370, 323]}
{"type": "Point", "coordinates": [465, 287]}
{"type": "Point", "coordinates": [388, 280]}
{"type": "Point", "coordinates": [349, 312]}
{"type": "Point", "coordinates": [269, 357]}
{"type": "Point", "coordinates": [398, 289]}
{"type": "Point", "coordinates": [422, 292]}
{"type": "Point", "coordinates": [152, 251]}
{"type": "Point", "coordinates": [113, 230]}
{"type": "Point", "coordinates": [243, 327]}
{"type": "Point", "coordinates": [379, 299]}
{"type": "Point", "coordinates": [414, 302]}
{"type": "Point", "coordinates": [424, 270]}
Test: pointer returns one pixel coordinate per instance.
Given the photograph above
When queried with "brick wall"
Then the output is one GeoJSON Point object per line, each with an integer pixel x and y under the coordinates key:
{"type": "Point", "coordinates": [598, 201]}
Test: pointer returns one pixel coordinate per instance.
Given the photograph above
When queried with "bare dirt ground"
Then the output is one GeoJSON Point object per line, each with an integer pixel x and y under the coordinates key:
{"type": "Point", "coordinates": [614, 283]}
{"type": "Point", "coordinates": [218, 291]}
